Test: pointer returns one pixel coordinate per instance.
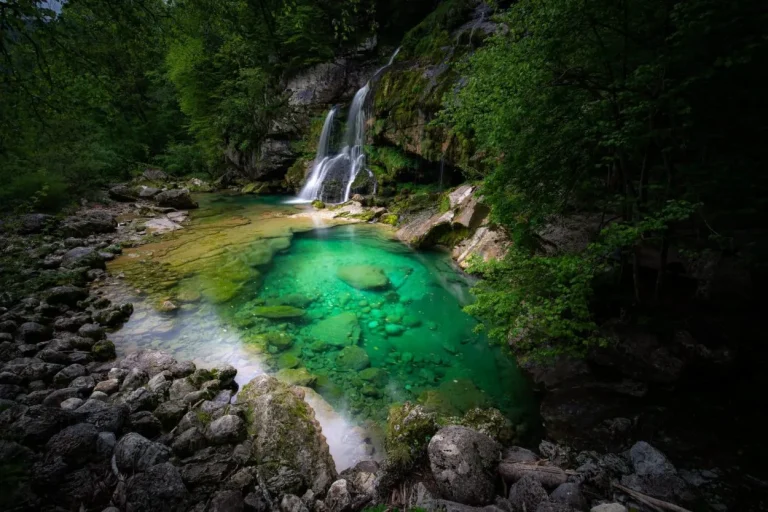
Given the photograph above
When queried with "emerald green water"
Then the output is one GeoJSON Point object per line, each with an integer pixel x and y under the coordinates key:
{"type": "Point", "coordinates": [244, 260]}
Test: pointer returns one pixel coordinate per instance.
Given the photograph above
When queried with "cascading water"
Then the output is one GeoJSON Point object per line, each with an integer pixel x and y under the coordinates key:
{"type": "Point", "coordinates": [332, 177]}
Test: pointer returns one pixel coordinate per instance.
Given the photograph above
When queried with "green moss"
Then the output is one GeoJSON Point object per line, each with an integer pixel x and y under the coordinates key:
{"type": "Point", "coordinates": [409, 430]}
{"type": "Point", "coordinates": [318, 205]}
{"type": "Point", "coordinates": [103, 350]}
{"type": "Point", "coordinates": [389, 218]}
{"type": "Point", "coordinates": [366, 216]}
{"type": "Point", "coordinates": [277, 312]}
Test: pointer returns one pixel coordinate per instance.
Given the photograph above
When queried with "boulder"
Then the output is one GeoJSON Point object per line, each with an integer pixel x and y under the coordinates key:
{"type": "Point", "coordinates": [159, 488]}
{"type": "Point", "coordinates": [146, 424]}
{"type": "Point", "coordinates": [485, 243]}
{"type": "Point", "coordinates": [82, 257]}
{"type": "Point", "coordinates": [135, 453]}
{"type": "Point", "coordinates": [87, 223]}
{"type": "Point", "coordinates": [229, 429]}
{"type": "Point", "coordinates": [526, 494]}
{"type": "Point", "coordinates": [152, 174]}
{"type": "Point", "coordinates": [339, 497]}
{"type": "Point", "coordinates": [151, 361]}
{"type": "Point", "coordinates": [65, 295]}
{"type": "Point", "coordinates": [39, 423]}
{"type": "Point", "coordinates": [339, 330]}
{"type": "Point", "coordinates": [75, 444]}
{"type": "Point", "coordinates": [463, 462]}
{"type": "Point", "coordinates": [227, 501]}
{"type": "Point", "coordinates": [176, 198]}
{"type": "Point", "coordinates": [33, 223]}
{"type": "Point", "coordinates": [292, 503]}
{"type": "Point", "coordinates": [352, 358]}
{"type": "Point", "coordinates": [609, 507]}
{"type": "Point", "coordinates": [569, 494]}
{"type": "Point", "coordinates": [423, 228]}
{"type": "Point", "coordinates": [122, 193]}
{"type": "Point", "coordinates": [647, 460]}
{"type": "Point", "coordinates": [148, 192]}
{"type": "Point", "coordinates": [288, 447]}
{"type": "Point", "coordinates": [33, 332]}
{"type": "Point", "coordinates": [363, 277]}
{"type": "Point", "coordinates": [188, 442]}
{"type": "Point", "coordinates": [170, 413]}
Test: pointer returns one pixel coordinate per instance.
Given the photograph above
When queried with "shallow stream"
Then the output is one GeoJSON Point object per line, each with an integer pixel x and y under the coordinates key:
{"type": "Point", "coordinates": [342, 308]}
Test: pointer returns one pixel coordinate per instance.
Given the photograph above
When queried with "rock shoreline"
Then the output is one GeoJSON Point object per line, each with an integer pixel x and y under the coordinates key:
{"type": "Point", "coordinates": [81, 430]}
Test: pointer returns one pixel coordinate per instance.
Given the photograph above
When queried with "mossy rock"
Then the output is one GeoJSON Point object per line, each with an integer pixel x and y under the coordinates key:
{"type": "Point", "coordinates": [280, 340]}
{"type": "Point", "coordinates": [318, 205]}
{"type": "Point", "coordinates": [366, 216]}
{"type": "Point", "coordinates": [294, 299]}
{"type": "Point", "coordinates": [277, 312]}
{"type": "Point", "coordinates": [255, 188]}
{"type": "Point", "coordinates": [492, 423]}
{"type": "Point", "coordinates": [297, 377]}
{"type": "Point", "coordinates": [389, 218]}
{"type": "Point", "coordinates": [188, 296]}
{"type": "Point", "coordinates": [103, 350]}
{"type": "Point", "coordinates": [363, 277]}
{"type": "Point", "coordinates": [288, 361]}
{"type": "Point", "coordinates": [352, 358]}
{"type": "Point", "coordinates": [219, 291]}
{"type": "Point", "coordinates": [409, 429]}
{"type": "Point", "coordinates": [374, 376]}
{"type": "Point", "coordinates": [454, 397]}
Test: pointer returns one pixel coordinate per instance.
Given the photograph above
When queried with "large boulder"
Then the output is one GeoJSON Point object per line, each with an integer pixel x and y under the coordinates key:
{"type": "Point", "coordinates": [655, 475]}
{"type": "Point", "coordinates": [288, 447]}
{"type": "Point", "coordinates": [122, 193]}
{"type": "Point", "coordinates": [150, 361]}
{"type": "Point", "coordinates": [82, 257]}
{"type": "Point", "coordinates": [527, 494]}
{"type": "Point", "coordinates": [159, 488]}
{"type": "Point", "coordinates": [88, 223]}
{"type": "Point", "coordinates": [176, 198]}
{"type": "Point", "coordinates": [352, 358]}
{"type": "Point", "coordinates": [135, 453]}
{"type": "Point", "coordinates": [340, 330]}
{"type": "Point", "coordinates": [363, 277]}
{"type": "Point", "coordinates": [33, 223]}
{"type": "Point", "coordinates": [67, 295]}
{"type": "Point", "coordinates": [464, 462]}
{"type": "Point", "coordinates": [75, 444]}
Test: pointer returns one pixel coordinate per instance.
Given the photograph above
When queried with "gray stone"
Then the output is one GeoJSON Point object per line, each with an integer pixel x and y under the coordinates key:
{"type": "Point", "coordinates": [122, 193]}
{"type": "Point", "coordinates": [33, 223]}
{"type": "Point", "coordinates": [150, 361]}
{"type": "Point", "coordinates": [58, 397]}
{"type": "Point", "coordinates": [547, 506]}
{"type": "Point", "coordinates": [33, 332]}
{"type": "Point", "coordinates": [92, 331]}
{"type": "Point", "coordinates": [227, 501]}
{"type": "Point", "coordinates": [70, 404]}
{"type": "Point", "coordinates": [108, 386]}
{"type": "Point", "coordinates": [141, 399]}
{"type": "Point", "coordinates": [135, 453]}
{"type": "Point", "coordinates": [66, 375]}
{"type": "Point", "coordinates": [292, 503]}
{"type": "Point", "coordinates": [88, 223]}
{"type": "Point", "coordinates": [526, 494]}
{"type": "Point", "coordinates": [339, 497]}
{"type": "Point", "coordinates": [84, 383]}
{"type": "Point", "coordinates": [159, 488]}
{"type": "Point", "coordinates": [75, 444]}
{"type": "Point", "coordinates": [176, 198]}
{"type": "Point", "coordinates": [518, 454]}
{"type": "Point", "coordinates": [647, 460]}
{"type": "Point", "coordinates": [182, 369]}
{"type": "Point", "coordinates": [170, 413]}
{"type": "Point", "coordinates": [145, 423]}
{"type": "Point", "coordinates": [609, 507]}
{"type": "Point", "coordinates": [67, 295]}
{"type": "Point", "coordinates": [134, 380]}
{"type": "Point", "coordinates": [180, 388]}
{"type": "Point", "coordinates": [463, 462]}
{"type": "Point", "coordinates": [227, 429]}
{"type": "Point", "coordinates": [48, 355]}
{"type": "Point", "coordinates": [82, 257]}
{"type": "Point", "coordinates": [105, 444]}
{"type": "Point", "coordinates": [569, 494]}
{"type": "Point", "coordinates": [188, 442]}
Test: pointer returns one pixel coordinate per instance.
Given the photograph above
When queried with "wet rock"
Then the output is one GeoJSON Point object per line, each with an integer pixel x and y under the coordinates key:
{"type": "Point", "coordinates": [82, 257]}
{"type": "Point", "coordinates": [296, 377]}
{"type": "Point", "coordinates": [104, 417]}
{"type": "Point", "coordinates": [188, 442]}
{"type": "Point", "coordinates": [74, 444]}
{"type": "Point", "coordinates": [182, 369]}
{"type": "Point", "coordinates": [159, 488]}
{"type": "Point", "coordinates": [150, 361]}
{"type": "Point", "coordinates": [363, 277]}
{"type": "Point", "coordinates": [569, 494]}
{"type": "Point", "coordinates": [56, 398]}
{"type": "Point", "coordinates": [141, 399]}
{"type": "Point", "coordinates": [339, 330]}
{"type": "Point", "coordinates": [518, 454]}
{"type": "Point", "coordinates": [33, 332]}
{"type": "Point", "coordinates": [48, 355]}
{"type": "Point", "coordinates": [277, 414]}
{"type": "Point", "coordinates": [225, 430]}
{"type": "Point", "coordinates": [135, 453]}
{"type": "Point", "coordinates": [176, 198]}
{"type": "Point", "coordinates": [463, 462]}
{"type": "Point", "coordinates": [67, 295]}
{"type": "Point", "coordinates": [647, 460]}
{"type": "Point", "coordinates": [555, 507]}
{"type": "Point", "coordinates": [526, 494]}
{"type": "Point", "coordinates": [85, 384]}
{"type": "Point", "coordinates": [227, 501]}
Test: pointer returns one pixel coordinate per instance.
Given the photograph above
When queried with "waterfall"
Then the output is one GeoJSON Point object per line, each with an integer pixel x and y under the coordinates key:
{"type": "Point", "coordinates": [332, 177]}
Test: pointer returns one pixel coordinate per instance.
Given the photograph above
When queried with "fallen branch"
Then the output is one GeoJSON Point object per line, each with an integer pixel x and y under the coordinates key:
{"type": "Point", "coordinates": [549, 476]}
{"type": "Point", "coordinates": [651, 502]}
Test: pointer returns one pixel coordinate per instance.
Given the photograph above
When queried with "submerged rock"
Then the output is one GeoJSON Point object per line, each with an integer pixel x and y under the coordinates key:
{"type": "Point", "coordinates": [340, 330]}
{"type": "Point", "coordinates": [352, 358]}
{"type": "Point", "coordinates": [276, 312]}
{"type": "Point", "coordinates": [296, 377]}
{"type": "Point", "coordinates": [363, 277]}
